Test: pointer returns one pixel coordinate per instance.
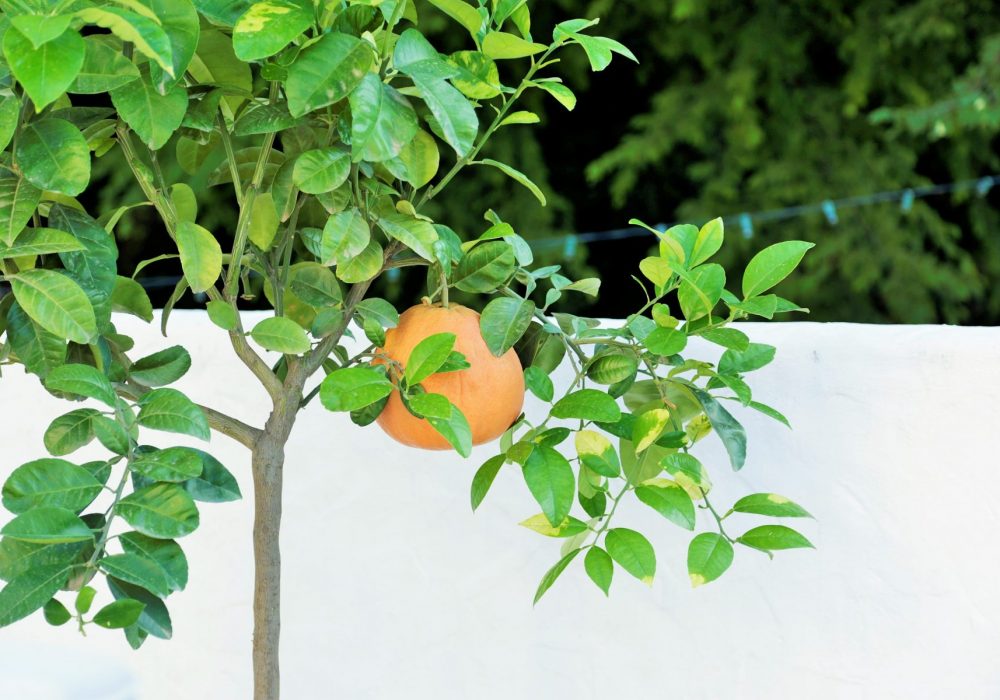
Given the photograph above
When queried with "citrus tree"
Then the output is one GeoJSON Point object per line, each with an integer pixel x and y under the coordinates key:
{"type": "Point", "coordinates": [337, 122]}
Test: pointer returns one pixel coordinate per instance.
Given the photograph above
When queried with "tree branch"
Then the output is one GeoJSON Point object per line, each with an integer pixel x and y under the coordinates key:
{"type": "Point", "coordinates": [245, 434]}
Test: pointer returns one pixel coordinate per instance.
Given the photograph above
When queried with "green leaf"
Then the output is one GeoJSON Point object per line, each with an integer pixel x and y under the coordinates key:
{"type": "Point", "coordinates": [464, 14]}
{"type": "Point", "coordinates": [416, 234]}
{"type": "Point", "coordinates": [10, 112]}
{"type": "Point", "coordinates": [82, 380]}
{"type": "Point", "coordinates": [569, 527]}
{"type": "Point", "coordinates": [223, 315]}
{"type": "Point", "coordinates": [161, 368]}
{"type": "Point", "coordinates": [648, 428]}
{"type": "Point", "coordinates": [552, 574]}
{"type": "Point", "coordinates": [41, 241]}
{"type": "Point", "coordinates": [84, 599]}
{"type": "Point", "coordinates": [165, 553]}
{"type": "Point", "coordinates": [179, 20]}
{"type": "Point", "coordinates": [263, 221]}
{"type": "Point", "coordinates": [172, 464]}
{"type": "Point", "coordinates": [268, 27]}
{"type": "Point", "coordinates": [455, 429]}
{"type": "Point", "coordinates": [321, 170]}
{"type": "Point", "coordinates": [729, 338]}
{"type": "Point", "coordinates": [352, 388]}
{"type": "Point", "coordinates": [363, 266]}
{"type": "Point", "coordinates": [104, 69]}
{"type": "Point", "coordinates": [732, 434]}
{"type": "Point", "coordinates": [49, 482]}
{"type": "Point", "coordinates": [130, 297]}
{"type": "Point", "coordinates": [770, 504]}
{"type": "Point", "coordinates": [538, 383]}
{"type": "Point", "coordinates": [501, 45]}
{"type": "Point", "coordinates": [70, 432]}
{"type": "Point", "coordinates": [119, 614]}
{"type": "Point", "coordinates": [429, 405]}
{"type": "Point", "coordinates": [708, 242]}
{"type": "Point", "coordinates": [550, 479]}
{"type": "Point", "coordinates": [56, 613]}
{"type": "Point", "coordinates": [701, 290]}
{"type": "Point", "coordinates": [665, 341]}
{"type": "Point", "coordinates": [517, 175]}
{"type": "Point", "coordinates": [201, 255]}
{"type": "Point", "coordinates": [485, 267]}
{"type": "Point", "coordinates": [41, 29]}
{"type": "Point", "coordinates": [382, 120]}
{"type": "Point", "coordinates": [633, 552]}
{"type": "Point", "coordinates": [137, 570]}
{"type": "Point", "coordinates": [316, 285]}
{"type": "Point", "coordinates": [597, 453]}
{"type": "Point", "coordinates": [504, 321]}
{"type": "Point", "coordinates": [427, 357]}
{"type": "Point", "coordinates": [163, 511]}
{"type": "Point", "coordinates": [112, 435]}
{"type": "Point", "coordinates": [521, 117]}
{"type": "Point", "coordinates": [327, 72]}
{"type": "Point", "coordinates": [769, 538]}
{"type": "Point", "coordinates": [39, 350]}
{"type": "Point", "coordinates": [93, 268]}
{"type": "Point", "coordinates": [46, 72]}
{"type": "Point", "coordinates": [669, 500]}
{"type": "Point", "coordinates": [379, 310]}
{"type": "Point", "coordinates": [17, 558]}
{"type": "Point", "coordinates": [47, 525]}
{"type": "Point", "coordinates": [56, 303]}
{"type": "Point", "coordinates": [687, 471]}
{"type": "Point", "coordinates": [771, 265]}
{"type": "Point", "coordinates": [456, 118]}
{"type": "Point", "coordinates": [769, 412]}
{"type": "Point", "coordinates": [224, 12]}
{"type": "Point", "coordinates": [599, 50]}
{"type": "Point", "coordinates": [600, 568]}
{"type": "Point", "coordinates": [154, 117]}
{"type": "Point", "coordinates": [755, 356]}
{"type": "Point", "coordinates": [612, 368]}
{"type": "Point", "coordinates": [215, 484]}
{"type": "Point", "coordinates": [478, 77]}
{"type": "Point", "coordinates": [146, 34]}
{"type": "Point", "coordinates": [18, 201]}
{"type": "Point", "coordinates": [282, 335]}
{"type": "Point", "coordinates": [171, 411]}
{"type": "Point", "coordinates": [418, 162]}
{"type": "Point", "coordinates": [345, 235]}
{"type": "Point", "coordinates": [31, 590]}
{"type": "Point", "coordinates": [709, 555]}
{"type": "Point", "coordinates": [484, 478]}
{"type": "Point", "coordinates": [587, 404]}
{"type": "Point", "coordinates": [265, 118]}
{"type": "Point", "coordinates": [560, 92]}
{"type": "Point", "coordinates": [54, 156]}
{"type": "Point", "coordinates": [154, 618]}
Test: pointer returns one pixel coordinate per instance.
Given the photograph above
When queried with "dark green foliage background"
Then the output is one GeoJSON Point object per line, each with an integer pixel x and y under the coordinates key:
{"type": "Point", "coordinates": [747, 106]}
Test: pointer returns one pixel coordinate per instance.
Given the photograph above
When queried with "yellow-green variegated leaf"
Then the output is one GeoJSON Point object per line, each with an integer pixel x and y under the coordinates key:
{"type": "Point", "coordinates": [56, 303]}
{"type": "Point", "coordinates": [201, 255]}
{"type": "Point", "coordinates": [418, 162]}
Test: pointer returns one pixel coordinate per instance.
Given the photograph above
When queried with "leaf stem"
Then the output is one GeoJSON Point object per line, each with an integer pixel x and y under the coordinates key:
{"type": "Point", "coordinates": [466, 159]}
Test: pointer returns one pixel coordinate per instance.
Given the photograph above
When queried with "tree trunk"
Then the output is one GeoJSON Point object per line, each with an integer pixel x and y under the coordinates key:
{"type": "Point", "coordinates": [268, 462]}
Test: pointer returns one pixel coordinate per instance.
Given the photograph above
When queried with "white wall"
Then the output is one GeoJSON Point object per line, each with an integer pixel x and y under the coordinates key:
{"type": "Point", "coordinates": [394, 589]}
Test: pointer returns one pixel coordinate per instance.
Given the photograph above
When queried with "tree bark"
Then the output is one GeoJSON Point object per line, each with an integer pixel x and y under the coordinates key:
{"type": "Point", "coordinates": [268, 463]}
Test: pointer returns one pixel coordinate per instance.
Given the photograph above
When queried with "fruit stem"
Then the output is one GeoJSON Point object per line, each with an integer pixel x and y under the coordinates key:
{"type": "Point", "coordinates": [444, 289]}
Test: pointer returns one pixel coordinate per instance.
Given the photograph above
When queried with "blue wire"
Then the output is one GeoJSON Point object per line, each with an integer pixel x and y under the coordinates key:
{"type": "Point", "coordinates": [745, 220]}
{"type": "Point", "coordinates": [829, 208]}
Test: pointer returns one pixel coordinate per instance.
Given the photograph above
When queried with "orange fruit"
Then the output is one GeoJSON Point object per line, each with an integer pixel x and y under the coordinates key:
{"type": "Point", "coordinates": [490, 392]}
